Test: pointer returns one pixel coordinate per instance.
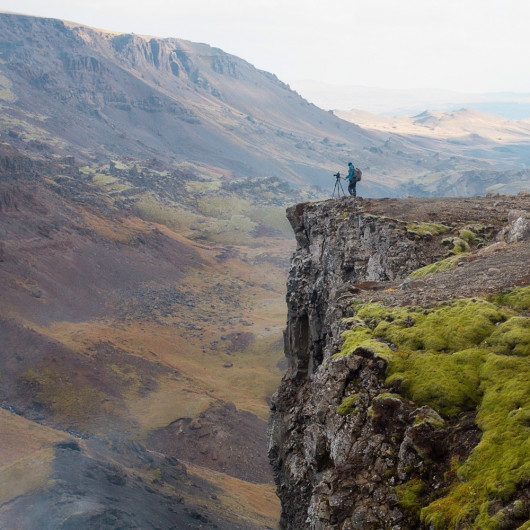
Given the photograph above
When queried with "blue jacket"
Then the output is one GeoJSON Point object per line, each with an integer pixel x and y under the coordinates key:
{"type": "Point", "coordinates": [351, 174]}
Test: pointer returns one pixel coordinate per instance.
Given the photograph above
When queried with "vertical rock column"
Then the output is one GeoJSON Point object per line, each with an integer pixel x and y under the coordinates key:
{"type": "Point", "coordinates": [311, 446]}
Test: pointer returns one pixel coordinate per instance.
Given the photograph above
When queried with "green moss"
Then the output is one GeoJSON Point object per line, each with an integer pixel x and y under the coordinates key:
{"type": "Point", "coordinates": [443, 265]}
{"type": "Point", "coordinates": [348, 405]}
{"type": "Point", "coordinates": [374, 313]}
{"type": "Point", "coordinates": [519, 509]}
{"type": "Point", "coordinates": [468, 354]}
{"type": "Point", "coordinates": [451, 327]}
{"type": "Point", "coordinates": [469, 236]}
{"type": "Point", "coordinates": [408, 495]}
{"type": "Point", "coordinates": [518, 299]}
{"type": "Point", "coordinates": [387, 395]}
{"type": "Point", "coordinates": [447, 383]}
{"type": "Point", "coordinates": [459, 246]}
{"type": "Point", "coordinates": [362, 338]}
{"type": "Point", "coordinates": [512, 337]}
{"type": "Point", "coordinates": [423, 229]}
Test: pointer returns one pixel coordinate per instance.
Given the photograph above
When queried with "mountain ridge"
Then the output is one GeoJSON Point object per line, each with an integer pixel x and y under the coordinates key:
{"type": "Point", "coordinates": [192, 101]}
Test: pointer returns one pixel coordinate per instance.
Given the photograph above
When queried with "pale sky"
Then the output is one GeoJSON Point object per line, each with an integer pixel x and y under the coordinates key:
{"type": "Point", "coordinates": [462, 45]}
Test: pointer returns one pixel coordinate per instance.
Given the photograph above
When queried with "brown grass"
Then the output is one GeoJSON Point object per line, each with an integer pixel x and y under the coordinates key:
{"type": "Point", "coordinates": [25, 475]}
{"type": "Point", "coordinates": [26, 455]}
{"type": "Point", "coordinates": [257, 502]}
{"type": "Point", "coordinates": [20, 437]}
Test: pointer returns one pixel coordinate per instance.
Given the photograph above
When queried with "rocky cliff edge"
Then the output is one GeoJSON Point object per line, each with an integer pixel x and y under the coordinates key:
{"type": "Point", "coordinates": [406, 401]}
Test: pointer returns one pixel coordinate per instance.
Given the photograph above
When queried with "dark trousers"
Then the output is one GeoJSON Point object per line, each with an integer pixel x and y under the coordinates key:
{"type": "Point", "coordinates": [352, 187]}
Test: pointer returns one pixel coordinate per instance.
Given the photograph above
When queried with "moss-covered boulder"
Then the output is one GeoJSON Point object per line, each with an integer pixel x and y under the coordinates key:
{"type": "Point", "coordinates": [443, 265]}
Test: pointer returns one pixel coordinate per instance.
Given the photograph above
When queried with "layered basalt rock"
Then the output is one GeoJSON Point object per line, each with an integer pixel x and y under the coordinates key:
{"type": "Point", "coordinates": [345, 447]}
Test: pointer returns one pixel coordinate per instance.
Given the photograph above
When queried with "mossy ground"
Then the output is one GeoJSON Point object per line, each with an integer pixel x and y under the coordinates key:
{"type": "Point", "coordinates": [71, 405]}
{"type": "Point", "coordinates": [443, 265]}
{"type": "Point", "coordinates": [463, 355]}
{"type": "Point", "coordinates": [348, 405]}
{"type": "Point", "coordinates": [469, 236]}
{"type": "Point", "coordinates": [409, 494]}
{"type": "Point", "coordinates": [459, 246]}
{"type": "Point", "coordinates": [424, 229]}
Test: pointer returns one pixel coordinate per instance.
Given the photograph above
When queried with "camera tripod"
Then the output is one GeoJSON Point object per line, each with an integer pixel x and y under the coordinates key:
{"type": "Point", "coordinates": [338, 189]}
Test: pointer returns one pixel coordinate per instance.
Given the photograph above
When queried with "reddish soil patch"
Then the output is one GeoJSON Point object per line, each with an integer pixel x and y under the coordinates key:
{"type": "Point", "coordinates": [221, 438]}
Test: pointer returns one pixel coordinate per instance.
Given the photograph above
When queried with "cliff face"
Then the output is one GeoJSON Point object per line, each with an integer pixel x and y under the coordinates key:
{"type": "Point", "coordinates": [354, 443]}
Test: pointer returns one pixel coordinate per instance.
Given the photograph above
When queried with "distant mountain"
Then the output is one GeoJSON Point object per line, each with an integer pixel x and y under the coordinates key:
{"type": "Point", "coordinates": [444, 125]}
{"type": "Point", "coordinates": [407, 102]}
{"type": "Point", "coordinates": [481, 152]}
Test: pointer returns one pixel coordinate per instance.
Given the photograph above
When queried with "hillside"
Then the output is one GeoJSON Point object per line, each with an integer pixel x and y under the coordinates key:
{"type": "Point", "coordinates": [406, 400]}
{"type": "Point", "coordinates": [71, 89]}
{"type": "Point", "coordinates": [141, 324]}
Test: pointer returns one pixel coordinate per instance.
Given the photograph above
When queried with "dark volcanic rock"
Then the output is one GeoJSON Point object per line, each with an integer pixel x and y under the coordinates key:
{"type": "Point", "coordinates": [102, 485]}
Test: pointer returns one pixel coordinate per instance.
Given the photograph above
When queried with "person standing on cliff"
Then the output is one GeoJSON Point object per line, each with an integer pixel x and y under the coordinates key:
{"type": "Point", "coordinates": [352, 180]}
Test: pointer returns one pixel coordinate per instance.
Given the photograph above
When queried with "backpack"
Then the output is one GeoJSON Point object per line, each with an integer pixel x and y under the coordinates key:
{"type": "Point", "coordinates": [358, 174]}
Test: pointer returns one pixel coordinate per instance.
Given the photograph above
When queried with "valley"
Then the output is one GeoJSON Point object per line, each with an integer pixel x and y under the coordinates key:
{"type": "Point", "coordinates": [128, 318]}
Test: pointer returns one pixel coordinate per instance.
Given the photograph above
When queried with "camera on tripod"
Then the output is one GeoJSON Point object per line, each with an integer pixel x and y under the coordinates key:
{"type": "Point", "coordinates": [338, 190]}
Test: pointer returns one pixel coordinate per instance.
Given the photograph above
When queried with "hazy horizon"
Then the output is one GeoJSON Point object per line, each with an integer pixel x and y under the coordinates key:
{"type": "Point", "coordinates": [403, 102]}
{"type": "Point", "coordinates": [465, 46]}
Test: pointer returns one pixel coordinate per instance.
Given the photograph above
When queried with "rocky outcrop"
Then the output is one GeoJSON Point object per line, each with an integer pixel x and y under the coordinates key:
{"type": "Point", "coordinates": [339, 245]}
{"type": "Point", "coordinates": [519, 228]}
{"type": "Point", "coordinates": [349, 448]}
